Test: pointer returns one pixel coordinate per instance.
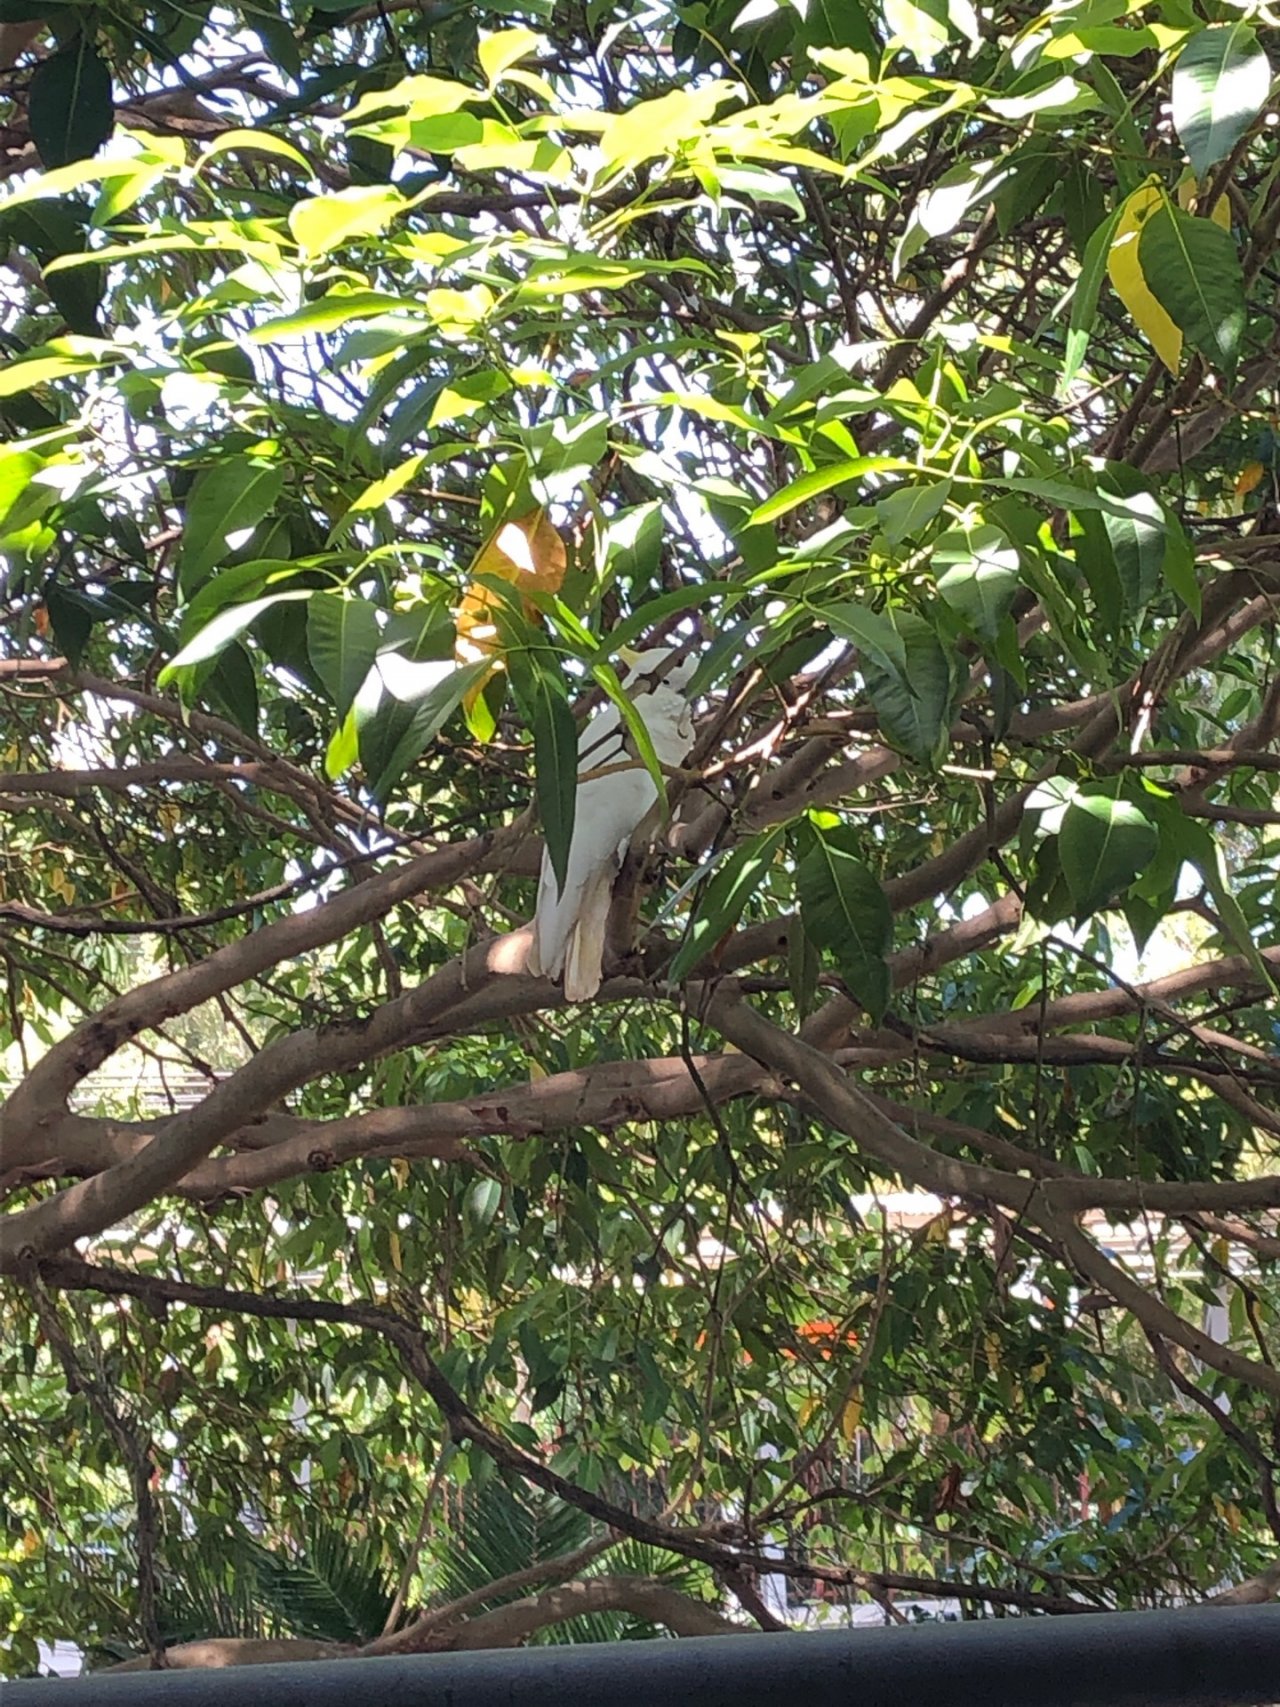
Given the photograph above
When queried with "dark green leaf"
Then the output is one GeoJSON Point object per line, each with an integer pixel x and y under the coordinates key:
{"type": "Point", "coordinates": [395, 724]}
{"type": "Point", "coordinates": [228, 498]}
{"type": "Point", "coordinates": [342, 638]}
{"type": "Point", "coordinates": [1220, 85]}
{"type": "Point", "coordinates": [978, 576]}
{"type": "Point", "coordinates": [1192, 268]}
{"type": "Point", "coordinates": [914, 703]}
{"type": "Point", "coordinates": [1104, 844]}
{"type": "Point", "coordinates": [71, 110]}
{"type": "Point", "coordinates": [544, 702]}
{"type": "Point", "coordinates": [1084, 297]}
{"type": "Point", "coordinates": [722, 901]}
{"type": "Point", "coordinates": [844, 912]}
{"type": "Point", "coordinates": [71, 620]}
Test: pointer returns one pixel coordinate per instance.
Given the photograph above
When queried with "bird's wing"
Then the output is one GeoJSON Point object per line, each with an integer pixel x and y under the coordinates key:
{"type": "Point", "coordinates": [569, 924]}
{"type": "Point", "coordinates": [607, 812]}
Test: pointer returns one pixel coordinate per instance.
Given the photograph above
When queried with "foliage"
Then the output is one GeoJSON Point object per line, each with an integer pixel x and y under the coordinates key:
{"type": "Point", "coordinates": [916, 367]}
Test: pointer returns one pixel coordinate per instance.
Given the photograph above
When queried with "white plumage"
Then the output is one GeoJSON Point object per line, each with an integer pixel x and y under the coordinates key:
{"type": "Point", "coordinates": [569, 926]}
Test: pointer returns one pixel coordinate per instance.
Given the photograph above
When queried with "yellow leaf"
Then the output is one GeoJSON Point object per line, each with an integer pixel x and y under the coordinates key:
{"type": "Point", "coordinates": [1250, 477]}
{"type": "Point", "coordinates": [1125, 272]}
{"type": "Point", "coordinates": [851, 1417]}
{"type": "Point", "coordinates": [400, 1172]}
{"type": "Point", "coordinates": [806, 1411]}
{"type": "Point", "coordinates": [62, 885]}
{"type": "Point", "coordinates": [525, 551]}
{"type": "Point", "coordinates": [536, 1071]}
{"type": "Point", "coordinates": [1188, 201]}
{"type": "Point", "coordinates": [393, 1248]}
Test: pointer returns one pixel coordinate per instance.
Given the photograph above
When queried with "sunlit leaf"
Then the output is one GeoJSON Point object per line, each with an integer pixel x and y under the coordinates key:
{"type": "Point", "coordinates": [1220, 85]}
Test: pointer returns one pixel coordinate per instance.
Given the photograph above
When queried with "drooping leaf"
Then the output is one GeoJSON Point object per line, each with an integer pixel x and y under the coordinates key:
{"type": "Point", "coordinates": [1220, 85]}
{"type": "Point", "coordinates": [71, 110]}
{"type": "Point", "coordinates": [1192, 268]}
{"type": "Point", "coordinates": [1128, 274]}
{"type": "Point", "coordinates": [874, 635]}
{"type": "Point", "coordinates": [544, 701]}
{"type": "Point", "coordinates": [227, 499]}
{"type": "Point", "coordinates": [323, 223]}
{"type": "Point", "coordinates": [528, 553]}
{"type": "Point", "coordinates": [1104, 843]}
{"type": "Point", "coordinates": [342, 638]}
{"type": "Point", "coordinates": [400, 708]}
{"type": "Point", "coordinates": [1084, 297]}
{"type": "Point", "coordinates": [218, 634]}
{"type": "Point", "coordinates": [844, 911]}
{"type": "Point", "coordinates": [977, 572]}
{"type": "Point", "coordinates": [913, 703]}
{"type": "Point", "coordinates": [722, 902]}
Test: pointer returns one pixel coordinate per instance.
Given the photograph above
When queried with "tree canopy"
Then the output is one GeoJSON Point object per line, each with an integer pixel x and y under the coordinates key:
{"type": "Point", "coordinates": [375, 376]}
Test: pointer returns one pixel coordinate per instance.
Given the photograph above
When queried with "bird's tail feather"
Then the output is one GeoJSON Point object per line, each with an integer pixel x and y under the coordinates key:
{"type": "Point", "coordinates": [584, 955]}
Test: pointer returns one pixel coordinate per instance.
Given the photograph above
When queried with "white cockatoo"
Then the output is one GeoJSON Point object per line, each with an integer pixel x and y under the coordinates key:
{"type": "Point", "coordinates": [569, 925]}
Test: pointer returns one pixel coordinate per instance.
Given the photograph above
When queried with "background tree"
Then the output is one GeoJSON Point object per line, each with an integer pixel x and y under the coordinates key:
{"type": "Point", "coordinates": [377, 374]}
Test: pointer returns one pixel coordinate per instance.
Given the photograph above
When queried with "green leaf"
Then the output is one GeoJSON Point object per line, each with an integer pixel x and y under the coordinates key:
{"type": "Point", "coordinates": [920, 25]}
{"type": "Point", "coordinates": [544, 701]}
{"type": "Point", "coordinates": [724, 898]}
{"type": "Point", "coordinates": [845, 913]}
{"type": "Point", "coordinates": [70, 106]}
{"type": "Point", "coordinates": [1193, 270]}
{"type": "Point", "coordinates": [400, 709]}
{"type": "Point", "coordinates": [1084, 297]}
{"type": "Point", "coordinates": [906, 513]}
{"type": "Point", "coordinates": [254, 142]}
{"type": "Point", "coordinates": [498, 53]}
{"type": "Point", "coordinates": [1180, 565]}
{"type": "Point", "coordinates": [229, 498]}
{"type": "Point", "coordinates": [979, 576]}
{"type": "Point", "coordinates": [71, 620]}
{"type": "Point", "coordinates": [1137, 539]}
{"type": "Point", "coordinates": [322, 223]}
{"type": "Point", "coordinates": [1105, 843]}
{"type": "Point", "coordinates": [820, 480]}
{"type": "Point", "coordinates": [1220, 85]}
{"type": "Point", "coordinates": [233, 686]}
{"type": "Point", "coordinates": [328, 312]}
{"type": "Point", "coordinates": [913, 703]}
{"type": "Point", "coordinates": [875, 637]}
{"type": "Point", "coordinates": [217, 635]}
{"type": "Point", "coordinates": [342, 640]}
{"type": "Point", "coordinates": [607, 677]}
{"type": "Point", "coordinates": [16, 469]}
{"type": "Point", "coordinates": [19, 376]}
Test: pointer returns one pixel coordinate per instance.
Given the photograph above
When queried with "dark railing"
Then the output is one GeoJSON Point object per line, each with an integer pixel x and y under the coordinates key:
{"type": "Point", "coordinates": [1208, 1657]}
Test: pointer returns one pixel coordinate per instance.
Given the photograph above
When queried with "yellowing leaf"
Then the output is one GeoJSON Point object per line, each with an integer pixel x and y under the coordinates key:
{"type": "Point", "coordinates": [400, 1172]}
{"type": "Point", "coordinates": [61, 884]}
{"type": "Point", "coordinates": [1250, 478]}
{"type": "Point", "coordinates": [525, 551]}
{"type": "Point", "coordinates": [458, 312]}
{"type": "Point", "coordinates": [851, 1417]}
{"type": "Point", "coordinates": [1125, 272]}
{"type": "Point", "coordinates": [497, 53]}
{"type": "Point", "coordinates": [536, 1071]}
{"type": "Point", "coordinates": [393, 1251]}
